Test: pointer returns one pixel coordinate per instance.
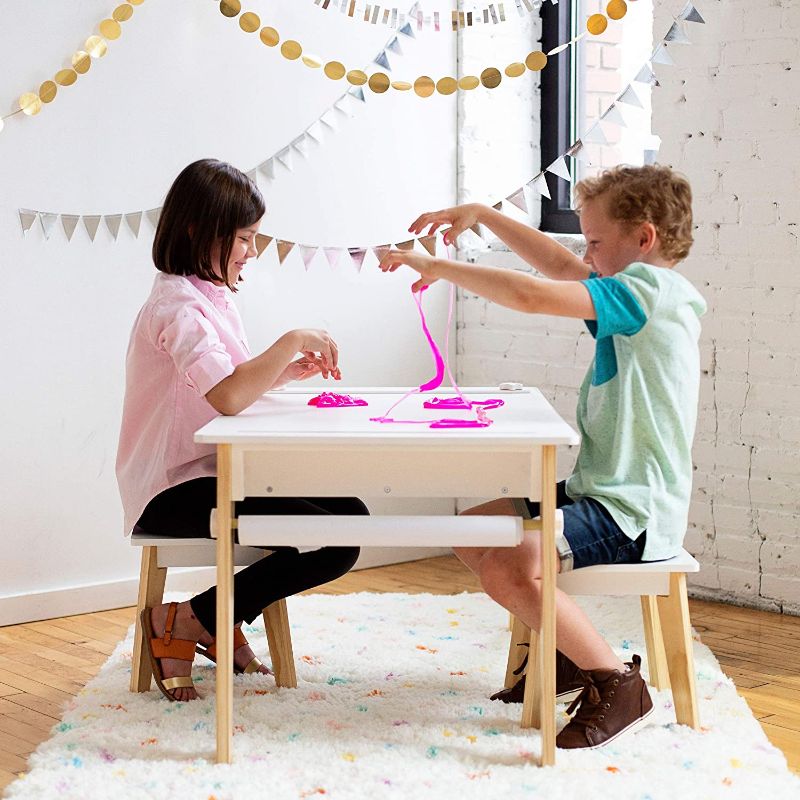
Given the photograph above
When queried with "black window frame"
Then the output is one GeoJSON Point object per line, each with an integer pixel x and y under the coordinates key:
{"type": "Point", "coordinates": [558, 114]}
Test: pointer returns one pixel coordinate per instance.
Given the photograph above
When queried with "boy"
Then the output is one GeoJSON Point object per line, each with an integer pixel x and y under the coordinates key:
{"type": "Point", "coordinates": [628, 496]}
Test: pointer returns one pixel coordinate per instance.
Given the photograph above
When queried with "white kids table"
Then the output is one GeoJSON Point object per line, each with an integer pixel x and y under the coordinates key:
{"type": "Point", "coordinates": [282, 447]}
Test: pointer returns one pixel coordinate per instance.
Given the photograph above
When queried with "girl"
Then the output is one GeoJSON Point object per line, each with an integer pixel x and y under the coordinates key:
{"type": "Point", "coordinates": [188, 361]}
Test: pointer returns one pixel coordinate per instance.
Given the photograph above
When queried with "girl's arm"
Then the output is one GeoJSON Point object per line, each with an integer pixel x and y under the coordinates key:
{"type": "Point", "coordinates": [537, 249]}
{"type": "Point", "coordinates": [252, 378]}
{"type": "Point", "coordinates": [509, 288]}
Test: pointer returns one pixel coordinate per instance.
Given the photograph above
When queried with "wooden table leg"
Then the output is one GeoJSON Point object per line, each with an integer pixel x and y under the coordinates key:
{"type": "Point", "coordinates": [224, 637]}
{"type": "Point", "coordinates": [547, 632]}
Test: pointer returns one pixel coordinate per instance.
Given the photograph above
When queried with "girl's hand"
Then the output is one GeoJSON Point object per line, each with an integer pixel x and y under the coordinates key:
{"type": "Point", "coordinates": [459, 218]}
{"type": "Point", "coordinates": [318, 346]}
{"type": "Point", "coordinates": [300, 370]}
{"type": "Point", "coordinates": [422, 263]}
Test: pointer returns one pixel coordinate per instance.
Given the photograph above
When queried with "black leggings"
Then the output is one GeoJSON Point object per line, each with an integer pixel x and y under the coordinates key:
{"type": "Point", "coordinates": [184, 511]}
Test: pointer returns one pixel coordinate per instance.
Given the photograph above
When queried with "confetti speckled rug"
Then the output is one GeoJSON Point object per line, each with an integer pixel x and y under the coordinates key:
{"type": "Point", "coordinates": [392, 703]}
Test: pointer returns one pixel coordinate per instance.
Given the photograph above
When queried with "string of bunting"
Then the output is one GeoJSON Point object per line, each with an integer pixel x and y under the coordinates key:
{"type": "Point", "coordinates": [374, 14]}
{"type": "Point", "coordinates": [518, 198]}
{"type": "Point", "coordinates": [96, 46]}
{"type": "Point", "coordinates": [424, 85]}
{"type": "Point", "coordinates": [314, 134]}
{"type": "Point", "coordinates": [538, 184]}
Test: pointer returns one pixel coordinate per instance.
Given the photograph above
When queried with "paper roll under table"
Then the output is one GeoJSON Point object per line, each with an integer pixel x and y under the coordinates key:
{"type": "Point", "coordinates": [382, 531]}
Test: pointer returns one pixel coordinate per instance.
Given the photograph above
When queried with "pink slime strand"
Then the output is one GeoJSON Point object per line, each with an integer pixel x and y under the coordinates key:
{"type": "Point", "coordinates": [436, 381]}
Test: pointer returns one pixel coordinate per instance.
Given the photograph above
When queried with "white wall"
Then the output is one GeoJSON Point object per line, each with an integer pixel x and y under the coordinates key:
{"type": "Point", "coordinates": [182, 83]}
{"type": "Point", "coordinates": [728, 116]}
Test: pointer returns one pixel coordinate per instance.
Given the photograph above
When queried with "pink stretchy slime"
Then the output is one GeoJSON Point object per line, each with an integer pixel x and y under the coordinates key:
{"type": "Point", "coordinates": [452, 403]}
{"type": "Point", "coordinates": [332, 400]}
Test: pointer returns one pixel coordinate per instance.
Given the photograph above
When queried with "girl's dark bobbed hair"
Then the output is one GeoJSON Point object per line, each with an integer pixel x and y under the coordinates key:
{"type": "Point", "coordinates": [205, 206]}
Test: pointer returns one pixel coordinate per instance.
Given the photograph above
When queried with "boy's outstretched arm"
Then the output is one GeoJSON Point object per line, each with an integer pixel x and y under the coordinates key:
{"type": "Point", "coordinates": [507, 287]}
{"type": "Point", "coordinates": [536, 248]}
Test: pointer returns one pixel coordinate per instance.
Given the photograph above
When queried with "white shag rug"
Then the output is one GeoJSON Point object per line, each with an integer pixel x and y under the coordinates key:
{"type": "Point", "coordinates": [392, 703]}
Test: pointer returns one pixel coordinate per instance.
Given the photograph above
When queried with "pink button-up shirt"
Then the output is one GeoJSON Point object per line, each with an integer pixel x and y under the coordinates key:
{"type": "Point", "coordinates": [186, 339]}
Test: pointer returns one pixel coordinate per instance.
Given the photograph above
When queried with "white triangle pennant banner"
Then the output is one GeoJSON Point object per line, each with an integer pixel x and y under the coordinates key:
{"type": "Point", "coordinates": [300, 144]}
{"type": "Point", "coordinates": [646, 75]}
{"type": "Point", "coordinates": [614, 114]}
{"type": "Point", "coordinates": [307, 253]}
{"type": "Point", "coordinates": [26, 219]}
{"type": "Point", "coordinates": [677, 35]}
{"type": "Point", "coordinates": [112, 223]}
{"type": "Point", "coordinates": [595, 135]}
{"type": "Point", "coordinates": [284, 157]}
{"type": "Point", "coordinates": [691, 14]}
{"type": "Point", "coordinates": [661, 56]}
{"type": "Point", "coordinates": [69, 222]}
{"type": "Point", "coordinates": [630, 97]}
{"type": "Point", "coordinates": [329, 119]}
{"type": "Point", "coordinates": [539, 184]}
{"type": "Point", "coordinates": [267, 169]}
{"type": "Point", "coordinates": [48, 222]}
{"type": "Point", "coordinates": [559, 167]}
{"type": "Point", "coordinates": [314, 132]}
{"type": "Point", "coordinates": [333, 254]}
{"type": "Point", "coordinates": [153, 215]}
{"type": "Point", "coordinates": [357, 254]}
{"type": "Point", "coordinates": [133, 221]}
{"type": "Point", "coordinates": [518, 199]}
{"type": "Point", "coordinates": [90, 222]}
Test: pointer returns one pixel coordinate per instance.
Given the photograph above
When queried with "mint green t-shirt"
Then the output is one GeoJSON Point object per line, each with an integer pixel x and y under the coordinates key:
{"type": "Point", "coordinates": [637, 406]}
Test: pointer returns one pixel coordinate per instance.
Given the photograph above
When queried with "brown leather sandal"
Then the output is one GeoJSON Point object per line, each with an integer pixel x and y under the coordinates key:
{"type": "Point", "coordinates": [167, 647]}
{"type": "Point", "coordinates": [239, 640]}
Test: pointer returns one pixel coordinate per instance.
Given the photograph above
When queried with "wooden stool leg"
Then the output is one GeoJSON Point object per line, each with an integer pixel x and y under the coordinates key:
{"type": "Point", "coordinates": [279, 638]}
{"type": "Point", "coordinates": [532, 698]}
{"type": "Point", "coordinates": [520, 632]}
{"type": "Point", "coordinates": [654, 640]}
{"type": "Point", "coordinates": [151, 593]}
{"type": "Point", "coordinates": [677, 638]}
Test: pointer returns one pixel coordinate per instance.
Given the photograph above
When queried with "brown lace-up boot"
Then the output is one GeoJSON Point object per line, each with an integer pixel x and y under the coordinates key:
{"type": "Point", "coordinates": [611, 704]}
{"type": "Point", "coordinates": [569, 681]}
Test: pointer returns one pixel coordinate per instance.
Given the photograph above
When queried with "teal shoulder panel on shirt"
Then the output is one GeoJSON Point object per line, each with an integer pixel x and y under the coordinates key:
{"type": "Point", "coordinates": [618, 313]}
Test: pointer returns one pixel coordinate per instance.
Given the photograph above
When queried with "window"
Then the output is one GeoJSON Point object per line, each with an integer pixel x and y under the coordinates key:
{"type": "Point", "coordinates": [579, 85]}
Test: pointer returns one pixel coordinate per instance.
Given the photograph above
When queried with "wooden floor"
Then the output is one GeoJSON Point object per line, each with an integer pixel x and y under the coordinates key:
{"type": "Point", "coordinates": [43, 664]}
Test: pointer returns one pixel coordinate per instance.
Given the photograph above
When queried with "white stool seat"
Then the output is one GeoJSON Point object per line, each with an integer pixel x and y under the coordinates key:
{"type": "Point", "coordinates": [175, 552]}
{"type": "Point", "coordinates": [644, 578]}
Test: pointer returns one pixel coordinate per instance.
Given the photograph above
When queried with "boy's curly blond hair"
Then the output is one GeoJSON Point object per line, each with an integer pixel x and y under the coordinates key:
{"type": "Point", "coordinates": [652, 193]}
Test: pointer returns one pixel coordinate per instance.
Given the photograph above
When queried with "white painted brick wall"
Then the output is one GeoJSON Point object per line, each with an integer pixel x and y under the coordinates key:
{"type": "Point", "coordinates": [729, 117]}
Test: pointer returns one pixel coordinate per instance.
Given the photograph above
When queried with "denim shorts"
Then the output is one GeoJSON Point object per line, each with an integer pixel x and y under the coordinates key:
{"type": "Point", "coordinates": [590, 534]}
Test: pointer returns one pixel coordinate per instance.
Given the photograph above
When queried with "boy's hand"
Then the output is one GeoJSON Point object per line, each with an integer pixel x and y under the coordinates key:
{"type": "Point", "coordinates": [422, 263]}
{"type": "Point", "coordinates": [459, 218]}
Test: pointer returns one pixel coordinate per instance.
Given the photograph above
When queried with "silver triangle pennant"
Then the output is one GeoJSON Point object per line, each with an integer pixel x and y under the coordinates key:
{"type": "Point", "coordinates": [382, 60]}
{"type": "Point", "coordinates": [394, 46]}
{"type": "Point", "coordinates": [559, 167]}
{"type": "Point", "coordinates": [112, 223]}
{"type": "Point", "coordinates": [518, 199]}
{"type": "Point", "coordinates": [407, 30]}
{"type": "Point", "coordinates": [630, 97]}
{"type": "Point", "coordinates": [596, 135]}
{"type": "Point", "coordinates": [358, 93]}
{"type": "Point", "coordinates": [27, 218]}
{"type": "Point", "coordinates": [134, 222]}
{"type": "Point", "coordinates": [677, 35]}
{"type": "Point", "coordinates": [48, 222]}
{"type": "Point", "coordinates": [333, 254]}
{"type": "Point", "coordinates": [357, 254]}
{"type": "Point", "coordinates": [91, 222]}
{"type": "Point", "coordinates": [661, 56]}
{"type": "Point", "coordinates": [153, 215]}
{"type": "Point", "coordinates": [646, 75]}
{"type": "Point", "coordinates": [614, 114]}
{"type": "Point", "coordinates": [691, 14]}
{"type": "Point", "coordinates": [307, 253]}
{"type": "Point", "coordinates": [69, 222]}
{"type": "Point", "coordinates": [539, 184]}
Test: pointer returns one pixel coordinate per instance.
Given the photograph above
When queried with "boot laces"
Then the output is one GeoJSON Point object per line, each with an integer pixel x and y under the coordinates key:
{"type": "Point", "coordinates": [592, 703]}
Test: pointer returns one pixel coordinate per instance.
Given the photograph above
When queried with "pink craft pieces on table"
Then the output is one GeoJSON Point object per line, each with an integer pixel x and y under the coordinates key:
{"type": "Point", "coordinates": [451, 403]}
{"type": "Point", "coordinates": [333, 400]}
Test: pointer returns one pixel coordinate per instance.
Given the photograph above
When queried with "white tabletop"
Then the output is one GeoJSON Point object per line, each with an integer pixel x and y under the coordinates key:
{"type": "Point", "coordinates": [281, 417]}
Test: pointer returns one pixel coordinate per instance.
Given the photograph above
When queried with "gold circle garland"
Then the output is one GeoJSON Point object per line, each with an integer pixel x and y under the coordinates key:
{"type": "Point", "coordinates": [424, 86]}
{"type": "Point", "coordinates": [31, 103]}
